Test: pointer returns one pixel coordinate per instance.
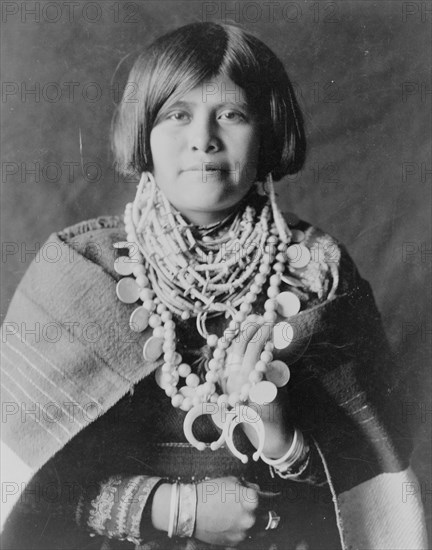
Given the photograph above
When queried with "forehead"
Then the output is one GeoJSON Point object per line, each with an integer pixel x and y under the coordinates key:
{"type": "Point", "coordinates": [215, 91]}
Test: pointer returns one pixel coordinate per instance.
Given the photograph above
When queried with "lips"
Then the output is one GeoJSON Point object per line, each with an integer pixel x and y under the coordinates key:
{"type": "Point", "coordinates": [206, 167]}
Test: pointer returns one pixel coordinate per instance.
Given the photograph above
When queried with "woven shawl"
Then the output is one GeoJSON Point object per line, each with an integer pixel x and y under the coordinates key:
{"type": "Point", "coordinates": [69, 356]}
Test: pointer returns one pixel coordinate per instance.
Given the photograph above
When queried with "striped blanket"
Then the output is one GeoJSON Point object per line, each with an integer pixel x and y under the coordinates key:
{"type": "Point", "coordinates": [69, 356]}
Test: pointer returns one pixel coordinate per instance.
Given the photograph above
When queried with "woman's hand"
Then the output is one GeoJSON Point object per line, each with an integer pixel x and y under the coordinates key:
{"type": "Point", "coordinates": [242, 356]}
{"type": "Point", "coordinates": [225, 511]}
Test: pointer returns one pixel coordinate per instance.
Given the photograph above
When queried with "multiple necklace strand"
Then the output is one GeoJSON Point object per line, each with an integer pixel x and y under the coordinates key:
{"type": "Point", "coordinates": [201, 274]}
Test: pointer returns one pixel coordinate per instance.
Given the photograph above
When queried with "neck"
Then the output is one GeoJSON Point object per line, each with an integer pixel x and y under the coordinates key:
{"type": "Point", "coordinates": [208, 218]}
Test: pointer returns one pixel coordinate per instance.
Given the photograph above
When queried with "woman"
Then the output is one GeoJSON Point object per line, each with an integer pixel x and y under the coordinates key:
{"type": "Point", "coordinates": [243, 316]}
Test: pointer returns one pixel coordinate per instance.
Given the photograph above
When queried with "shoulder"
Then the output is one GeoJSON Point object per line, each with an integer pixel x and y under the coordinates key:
{"type": "Point", "coordinates": [93, 239]}
{"type": "Point", "coordinates": [325, 266]}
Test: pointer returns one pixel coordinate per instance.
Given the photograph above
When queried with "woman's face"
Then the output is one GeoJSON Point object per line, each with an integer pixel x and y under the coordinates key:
{"type": "Point", "coordinates": [205, 149]}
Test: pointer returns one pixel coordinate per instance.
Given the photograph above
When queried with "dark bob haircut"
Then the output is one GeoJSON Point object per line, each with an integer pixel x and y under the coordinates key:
{"type": "Point", "coordinates": [181, 60]}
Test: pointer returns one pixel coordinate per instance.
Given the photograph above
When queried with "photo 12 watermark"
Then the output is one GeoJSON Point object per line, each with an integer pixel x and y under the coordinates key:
{"type": "Point", "coordinates": [269, 11]}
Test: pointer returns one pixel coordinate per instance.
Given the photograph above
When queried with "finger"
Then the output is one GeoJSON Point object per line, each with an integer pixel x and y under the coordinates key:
{"type": "Point", "coordinates": [256, 345]}
{"type": "Point", "coordinates": [248, 329]}
{"type": "Point", "coordinates": [250, 498]}
{"type": "Point", "coordinates": [248, 521]}
{"type": "Point", "coordinates": [251, 484]}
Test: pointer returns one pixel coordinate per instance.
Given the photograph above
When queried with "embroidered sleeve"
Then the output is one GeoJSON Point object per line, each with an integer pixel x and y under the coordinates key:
{"type": "Point", "coordinates": [117, 509]}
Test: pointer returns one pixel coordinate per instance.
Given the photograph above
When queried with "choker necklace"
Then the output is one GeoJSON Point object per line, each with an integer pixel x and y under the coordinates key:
{"type": "Point", "coordinates": [190, 274]}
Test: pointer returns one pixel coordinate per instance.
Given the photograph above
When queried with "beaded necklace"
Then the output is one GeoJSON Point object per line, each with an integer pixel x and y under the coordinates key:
{"type": "Point", "coordinates": [219, 270]}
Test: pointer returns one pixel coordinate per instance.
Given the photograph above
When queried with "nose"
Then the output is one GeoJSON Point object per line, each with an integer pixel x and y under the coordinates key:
{"type": "Point", "coordinates": [204, 136]}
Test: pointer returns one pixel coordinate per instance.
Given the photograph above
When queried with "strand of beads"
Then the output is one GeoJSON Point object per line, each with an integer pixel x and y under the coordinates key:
{"type": "Point", "coordinates": [172, 278]}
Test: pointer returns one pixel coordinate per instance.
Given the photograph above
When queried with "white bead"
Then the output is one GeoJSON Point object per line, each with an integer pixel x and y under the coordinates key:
{"type": "Point", "coordinates": [255, 377]}
{"type": "Point", "coordinates": [211, 377]}
{"type": "Point", "coordinates": [184, 370]}
{"type": "Point", "coordinates": [187, 404]}
{"type": "Point", "coordinates": [139, 271]}
{"type": "Point", "coordinates": [154, 321]}
{"type": "Point", "coordinates": [223, 400]}
{"type": "Point", "coordinates": [167, 379]}
{"type": "Point", "coordinates": [275, 279]}
{"type": "Point", "coordinates": [255, 288]}
{"type": "Point", "coordinates": [281, 257]}
{"type": "Point", "coordinates": [270, 316]}
{"type": "Point", "coordinates": [266, 356]}
{"type": "Point", "coordinates": [261, 366]}
{"type": "Point", "coordinates": [272, 292]}
{"type": "Point", "coordinates": [168, 346]}
{"type": "Point", "coordinates": [166, 367]}
{"type": "Point", "coordinates": [214, 364]}
{"type": "Point", "coordinates": [161, 308]}
{"type": "Point", "coordinates": [169, 334]}
{"type": "Point", "coordinates": [170, 391]}
{"type": "Point", "coordinates": [166, 316]}
{"type": "Point", "coordinates": [146, 294]}
{"type": "Point", "coordinates": [159, 332]}
{"type": "Point", "coordinates": [169, 324]}
{"type": "Point", "coordinates": [270, 305]}
{"type": "Point", "coordinates": [264, 269]}
{"type": "Point", "coordinates": [240, 316]}
{"type": "Point", "coordinates": [177, 400]}
{"type": "Point", "coordinates": [250, 297]}
{"type": "Point", "coordinates": [192, 380]}
{"type": "Point", "coordinates": [246, 308]}
{"type": "Point", "coordinates": [269, 346]}
{"type": "Point", "coordinates": [214, 398]}
{"type": "Point", "coordinates": [260, 279]}
{"type": "Point", "coordinates": [149, 305]}
{"type": "Point", "coordinates": [185, 315]}
{"type": "Point", "coordinates": [169, 356]}
{"type": "Point", "coordinates": [212, 340]}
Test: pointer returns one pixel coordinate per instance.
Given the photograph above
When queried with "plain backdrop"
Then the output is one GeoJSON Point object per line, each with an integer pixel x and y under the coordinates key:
{"type": "Point", "coordinates": [360, 69]}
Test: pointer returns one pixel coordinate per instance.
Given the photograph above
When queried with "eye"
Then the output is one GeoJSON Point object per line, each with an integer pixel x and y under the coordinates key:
{"type": "Point", "coordinates": [232, 116]}
{"type": "Point", "coordinates": [178, 116]}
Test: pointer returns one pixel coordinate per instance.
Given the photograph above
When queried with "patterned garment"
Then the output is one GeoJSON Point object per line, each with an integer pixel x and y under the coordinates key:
{"type": "Point", "coordinates": [104, 431]}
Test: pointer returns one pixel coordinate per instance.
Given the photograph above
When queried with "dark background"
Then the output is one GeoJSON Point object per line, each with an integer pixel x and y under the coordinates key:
{"type": "Point", "coordinates": [360, 69]}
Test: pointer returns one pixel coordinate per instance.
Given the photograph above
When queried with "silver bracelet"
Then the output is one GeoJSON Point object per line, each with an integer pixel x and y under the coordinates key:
{"type": "Point", "coordinates": [187, 510]}
{"type": "Point", "coordinates": [174, 509]}
{"type": "Point", "coordinates": [292, 455]}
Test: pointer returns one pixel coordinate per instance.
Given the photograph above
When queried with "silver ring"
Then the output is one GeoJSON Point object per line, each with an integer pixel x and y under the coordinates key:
{"type": "Point", "coordinates": [273, 520]}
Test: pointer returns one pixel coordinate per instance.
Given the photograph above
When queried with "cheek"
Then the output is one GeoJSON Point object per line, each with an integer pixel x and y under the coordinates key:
{"type": "Point", "coordinates": [164, 148]}
{"type": "Point", "coordinates": [250, 146]}
{"type": "Point", "coordinates": [155, 145]}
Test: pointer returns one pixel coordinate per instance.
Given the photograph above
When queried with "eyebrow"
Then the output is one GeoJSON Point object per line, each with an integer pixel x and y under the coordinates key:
{"type": "Point", "coordinates": [182, 103]}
